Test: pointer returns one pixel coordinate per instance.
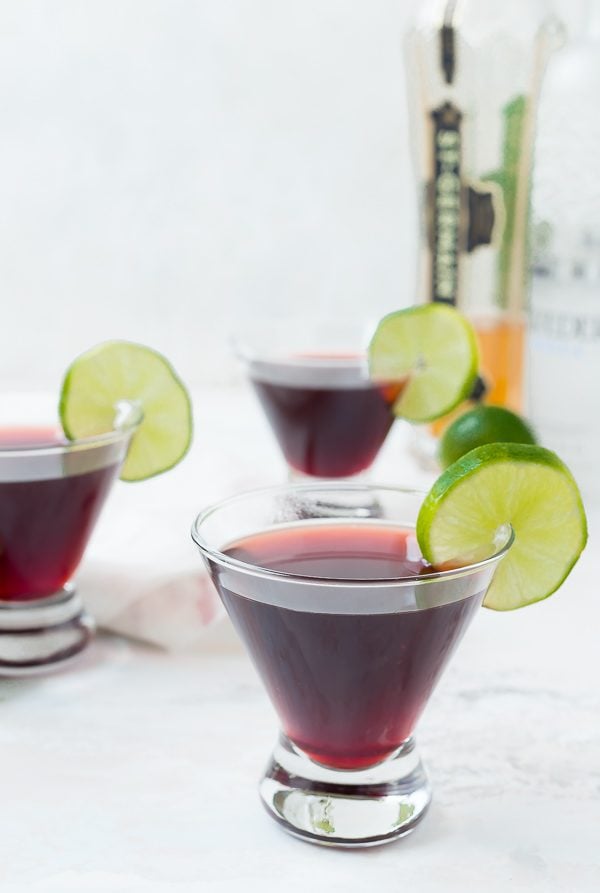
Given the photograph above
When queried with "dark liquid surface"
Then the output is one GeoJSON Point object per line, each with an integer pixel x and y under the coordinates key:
{"type": "Point", "coordinates": [348, 688]}
{"type": "Point", "coordinates": [327, 429]}
{"type": "Point", "coordinates": [45, 524]}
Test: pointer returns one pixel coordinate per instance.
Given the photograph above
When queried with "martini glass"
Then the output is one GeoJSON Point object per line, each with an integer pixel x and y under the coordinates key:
{"type": "Point", "coordinates": [312, 381]}
{"type": "Point", "coordinates": [350, 631]}
{"type": "Point", "coordinates": [51, 493]}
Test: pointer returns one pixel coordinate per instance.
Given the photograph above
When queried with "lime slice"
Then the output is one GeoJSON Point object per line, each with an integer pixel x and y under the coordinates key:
{"type": "Point", "coordinates": [99, 382]}
{"type": "Point", "coordinates": [434, 350]}
{"type": "Point", "coordinates": [483, 424]}
{"type": "Point", "coordinates": [467, 511]}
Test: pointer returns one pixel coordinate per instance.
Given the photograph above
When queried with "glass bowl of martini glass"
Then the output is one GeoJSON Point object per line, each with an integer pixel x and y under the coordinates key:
{"type": "Point", "coordinates": [311, 377]}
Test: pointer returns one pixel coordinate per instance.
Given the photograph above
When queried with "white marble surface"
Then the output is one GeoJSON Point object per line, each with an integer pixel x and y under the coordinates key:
{"type": "Point", "coordinates": [137, 770]}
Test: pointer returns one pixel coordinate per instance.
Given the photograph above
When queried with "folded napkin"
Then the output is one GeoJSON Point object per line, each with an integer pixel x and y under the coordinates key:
{"type": "Point", "coordinates": [143, 577]}
{"type": "Point", "coordinates": [171, 610]}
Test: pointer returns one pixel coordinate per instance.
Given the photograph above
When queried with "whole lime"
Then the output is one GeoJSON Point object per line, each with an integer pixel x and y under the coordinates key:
{"type": "Point", "coordinates": [481, 425]}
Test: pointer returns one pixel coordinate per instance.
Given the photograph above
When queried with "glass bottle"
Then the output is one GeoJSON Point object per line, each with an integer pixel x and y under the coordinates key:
{"type": "Point", "coordinates": [564, 343]}
{"type": "Point", "coordinates": [474, 69]}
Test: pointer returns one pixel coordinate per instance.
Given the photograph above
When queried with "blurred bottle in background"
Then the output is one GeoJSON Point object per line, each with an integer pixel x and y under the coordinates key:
{"type": "Point", "coordinates": [474, 69]}
{"type": "Point", "coordinates": [564, 353]}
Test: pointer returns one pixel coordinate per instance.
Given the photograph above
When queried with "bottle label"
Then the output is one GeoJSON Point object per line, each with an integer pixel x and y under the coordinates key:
{"type": "Point", "coordinates": [511, 212]}
{"type": "Point", "coordinates": [445, 203]}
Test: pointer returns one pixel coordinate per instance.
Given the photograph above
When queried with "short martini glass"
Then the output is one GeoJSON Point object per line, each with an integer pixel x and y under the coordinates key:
{"type": "Point", "coordinates": [312, 380]}
{"type": "Point", "coordinates": [350, 631]}
{"type": "Point", "coordinates": [51, 493]}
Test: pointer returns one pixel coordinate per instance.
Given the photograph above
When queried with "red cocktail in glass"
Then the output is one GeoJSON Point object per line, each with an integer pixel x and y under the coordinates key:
{"type": "Point", "coordinates": [350, 631]}
{"type": "Point", "coordinates": [370, 674]}
{"type": "Point", "coordinates": [51, 493]}
{"type": "Point", "coordinates": [45, 522]}
{"type": "Point", "coordinates": [329, 418]}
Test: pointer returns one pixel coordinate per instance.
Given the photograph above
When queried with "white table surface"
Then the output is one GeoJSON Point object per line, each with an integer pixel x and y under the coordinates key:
{"type": "Point", "coordinates": [136, 770]}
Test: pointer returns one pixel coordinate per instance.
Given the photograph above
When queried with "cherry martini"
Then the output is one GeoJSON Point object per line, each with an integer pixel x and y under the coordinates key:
{"type": "Point", "coordinates": [124, 413]}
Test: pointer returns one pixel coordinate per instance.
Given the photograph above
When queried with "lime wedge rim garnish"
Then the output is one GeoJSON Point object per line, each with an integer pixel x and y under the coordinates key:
{"type": "Point", "coordinates": [432, 348]}
{"type": "Point", "coordinates": [525, 486]}
{"type": "Point", "coordinates": [121, 385]}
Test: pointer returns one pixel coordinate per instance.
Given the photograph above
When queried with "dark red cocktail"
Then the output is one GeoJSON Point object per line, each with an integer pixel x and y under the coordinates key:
{"type": "Point", "coordinates": [348, 688]}
{"type": "Point", "coordinates": [350, 631]}
{"type": "Point", "coordinates": [329, 418]}
{"type": "Point", "coordinates": [46, 516]}
{"type": "Point", "coordinates": [51, 492]}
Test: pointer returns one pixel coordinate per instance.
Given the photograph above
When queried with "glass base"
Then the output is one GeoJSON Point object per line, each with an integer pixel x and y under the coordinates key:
{"type": "Point", "coordinates": [354, 808]}
{"type": "Point", "coordinates": [42, 635]}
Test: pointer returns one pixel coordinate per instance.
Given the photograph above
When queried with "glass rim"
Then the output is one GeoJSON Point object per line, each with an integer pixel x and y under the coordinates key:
{"type": "Point", "coordinates": [128, 418]}
{"type": "Point", "coordinates": [247, 354]}
{"type": "Point", "coordinates": [249, 342]}
{"type": "Point", "coordinates": [77, 445]}
{"type": "Point", "coordinates": [227, 561]}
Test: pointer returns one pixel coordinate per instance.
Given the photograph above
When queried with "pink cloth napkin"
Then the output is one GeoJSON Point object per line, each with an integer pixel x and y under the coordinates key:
{"type": "Point", "coordinates": [171, 610]}
{"type": "Point", "coordinates": [142, 576]}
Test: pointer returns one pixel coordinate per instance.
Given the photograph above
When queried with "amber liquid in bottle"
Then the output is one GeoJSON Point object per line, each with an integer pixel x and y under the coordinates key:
{"type": "Point", "coordinates": [502, 361]}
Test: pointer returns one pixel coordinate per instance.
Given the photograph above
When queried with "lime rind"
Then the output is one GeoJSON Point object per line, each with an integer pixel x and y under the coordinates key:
{"type": "Point", "coordinates": [525, 486]}
{"type": "Point", "coordinates": [433, 349]}
{"type": "Point", "coordinates": [116, 372]}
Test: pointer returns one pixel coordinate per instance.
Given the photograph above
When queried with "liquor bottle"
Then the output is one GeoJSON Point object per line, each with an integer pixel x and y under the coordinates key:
{"type": "Point", "coordinates": [564, 348]}
{"type": "Point", "coordinates": [474, 69]}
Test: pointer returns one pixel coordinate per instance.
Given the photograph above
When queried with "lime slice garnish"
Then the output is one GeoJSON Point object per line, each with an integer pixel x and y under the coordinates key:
{"type": "Point", "coordinates": [99, 382]}
{"type": "Point", "coordinates": [433, 349]}
{"type": "Point", "coordinates": [465, 516]}
{"type": "Point", "coordinates": [483, 424]}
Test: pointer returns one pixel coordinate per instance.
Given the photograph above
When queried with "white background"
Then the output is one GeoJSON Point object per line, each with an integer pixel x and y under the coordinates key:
{"type": "Point", "coordinates": [168, 167]}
